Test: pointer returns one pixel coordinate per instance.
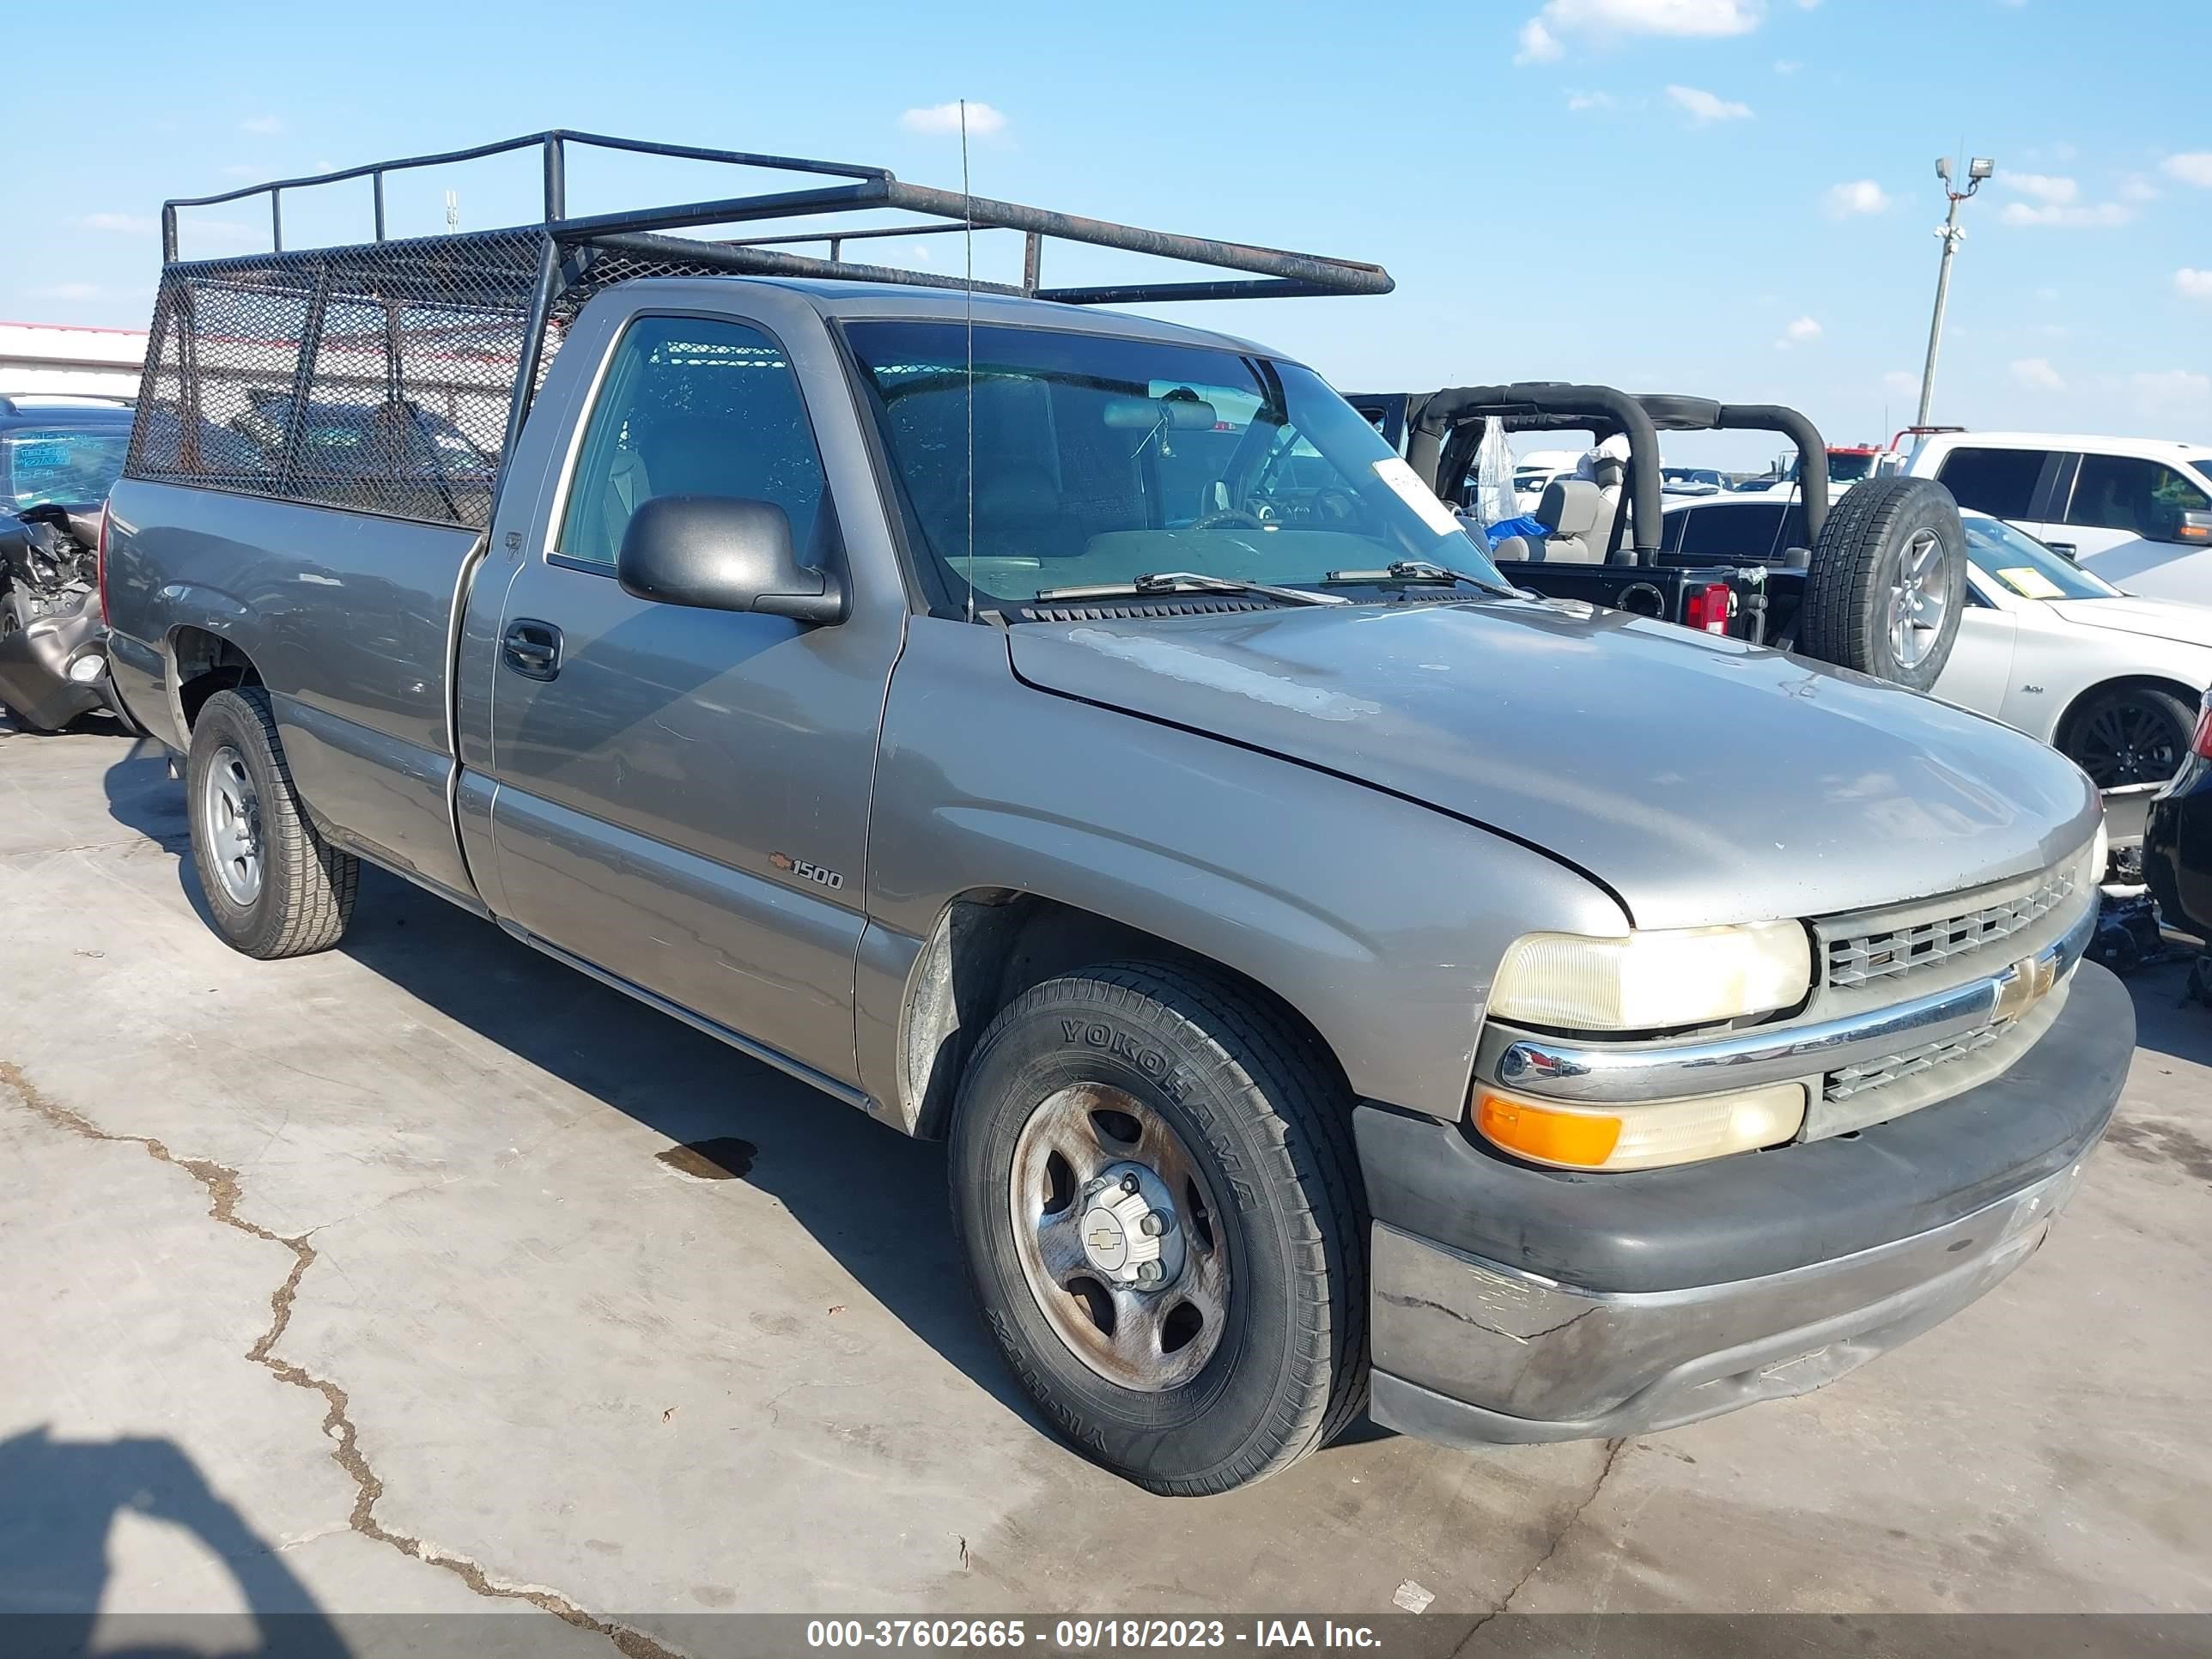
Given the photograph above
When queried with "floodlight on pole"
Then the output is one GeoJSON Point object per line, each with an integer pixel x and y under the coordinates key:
{"type": "Point", "coordinates": [1978, 169]}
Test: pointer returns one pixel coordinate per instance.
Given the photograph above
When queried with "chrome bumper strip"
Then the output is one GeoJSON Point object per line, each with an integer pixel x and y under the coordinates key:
{"type": "Point", "coordinates": [1617, 1073]}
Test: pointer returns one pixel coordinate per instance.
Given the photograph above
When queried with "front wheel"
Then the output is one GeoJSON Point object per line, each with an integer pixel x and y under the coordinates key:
{"type": "Point", "coordinates": [1154, 1181]}
{"type": "Point", "coordinates": [2129, 734]}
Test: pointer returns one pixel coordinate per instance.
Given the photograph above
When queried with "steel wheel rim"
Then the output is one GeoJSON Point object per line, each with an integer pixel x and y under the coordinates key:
{"type": "Point", "coordinates": [2127, 741]}
{"type": "Point", "coordinates": [230, 816]}
{"type": "Point", "coordinates": [1074, 1160]}
{"type": "Point", "coordinates": [1918, 602]}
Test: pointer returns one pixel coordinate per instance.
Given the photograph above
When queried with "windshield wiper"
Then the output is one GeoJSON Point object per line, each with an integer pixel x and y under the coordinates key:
{"type": "Point", "coordinates": [1187, 582]}
{"type": "Point", "coordinates": [1416, 570]}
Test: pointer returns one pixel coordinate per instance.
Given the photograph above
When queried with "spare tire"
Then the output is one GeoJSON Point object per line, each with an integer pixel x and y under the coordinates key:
{"type": "Point", "coordinates": [1887, 582]}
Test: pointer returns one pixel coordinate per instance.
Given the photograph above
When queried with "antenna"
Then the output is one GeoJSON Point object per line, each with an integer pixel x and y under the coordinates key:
{"type": "Point", "coordinates": [967, 243]}
{"type": "Point", "coordinates": [452, 211]}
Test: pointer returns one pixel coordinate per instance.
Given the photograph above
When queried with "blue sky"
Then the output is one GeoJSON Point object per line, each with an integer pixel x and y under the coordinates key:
{"type": "Point", "coordinates": [1730, 198]}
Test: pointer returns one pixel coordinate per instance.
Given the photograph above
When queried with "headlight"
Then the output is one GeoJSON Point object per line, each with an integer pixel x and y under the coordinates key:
{"type": "Point", "coordinates": [1649, 981]}
{"type": "Point", "coordinates": [1639, 1137]}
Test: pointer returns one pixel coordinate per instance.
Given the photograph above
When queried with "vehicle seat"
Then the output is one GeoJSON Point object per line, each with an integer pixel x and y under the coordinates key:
{"type": "Point", "coordinates": [1569, 514]}
{"type": "Point", "coordinates": [1612, 475]}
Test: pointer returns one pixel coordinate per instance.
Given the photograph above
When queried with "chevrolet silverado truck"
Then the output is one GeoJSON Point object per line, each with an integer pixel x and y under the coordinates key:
{"type": "Point", "coordinates": [1343, 983]}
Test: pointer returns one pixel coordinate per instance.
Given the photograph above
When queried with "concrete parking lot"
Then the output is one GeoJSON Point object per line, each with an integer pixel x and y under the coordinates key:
{"type": "Point", "coordinates": [380, 1281]}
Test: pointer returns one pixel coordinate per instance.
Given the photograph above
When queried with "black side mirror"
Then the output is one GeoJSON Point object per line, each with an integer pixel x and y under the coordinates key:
{"type": "Point", "coordinates": [2188, 526]}
{"type": "Point", "coordinates": [719, 553]}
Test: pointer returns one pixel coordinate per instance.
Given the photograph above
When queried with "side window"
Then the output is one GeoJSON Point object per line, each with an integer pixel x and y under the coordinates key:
{"type": "Point", "coordinates": [690, 406]}
{"type": "Point", "coordinates": [2121, 492]}
{"type": "Point", "coordinates": [1998, 482]}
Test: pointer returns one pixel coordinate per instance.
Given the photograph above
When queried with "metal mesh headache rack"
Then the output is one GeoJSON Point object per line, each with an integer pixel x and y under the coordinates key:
{"type": "Point", "coordinates": [392, 376]}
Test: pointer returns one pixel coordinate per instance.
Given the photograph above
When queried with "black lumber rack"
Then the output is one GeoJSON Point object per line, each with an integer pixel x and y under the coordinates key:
{"type": "Point", "coordinates": [1280, 273]}
{"type": "Point", "coordinates": [392, 376]}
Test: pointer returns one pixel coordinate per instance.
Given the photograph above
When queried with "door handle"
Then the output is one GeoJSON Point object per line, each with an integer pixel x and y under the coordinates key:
{"type": "Point", "coordinates": [532, 648]}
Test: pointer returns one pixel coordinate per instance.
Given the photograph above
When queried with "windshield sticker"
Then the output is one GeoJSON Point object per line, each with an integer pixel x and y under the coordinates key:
{"type": "Point", "coordinates": [1407, 485]}
{"type": "Point", "coordinates": [2030, 583]}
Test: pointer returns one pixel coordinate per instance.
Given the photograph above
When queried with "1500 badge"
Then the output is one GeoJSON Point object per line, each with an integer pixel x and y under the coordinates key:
{"type": "Point", "coordinates": [815, 874]}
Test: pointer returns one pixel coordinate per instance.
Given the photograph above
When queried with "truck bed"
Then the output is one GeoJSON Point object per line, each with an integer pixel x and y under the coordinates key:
{"type": "Point", "coordinates": [350, 616]}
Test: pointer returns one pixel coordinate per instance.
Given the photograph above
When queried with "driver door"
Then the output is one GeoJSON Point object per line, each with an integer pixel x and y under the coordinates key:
{"type": "Point", "coordinates": [683, 793]}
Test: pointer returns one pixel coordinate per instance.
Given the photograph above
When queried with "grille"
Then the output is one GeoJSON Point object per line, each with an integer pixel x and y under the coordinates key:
{"type": "Point", "coordinates": [1861, 958]}
{"type": "Point", "coordinates": [1891, 1068]}
{"type": "Point", "coordinates": [377, 378]}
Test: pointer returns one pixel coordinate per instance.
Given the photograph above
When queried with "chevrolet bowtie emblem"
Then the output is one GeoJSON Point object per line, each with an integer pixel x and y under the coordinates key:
{"type": "Point", "coordinates": [2025, 984]}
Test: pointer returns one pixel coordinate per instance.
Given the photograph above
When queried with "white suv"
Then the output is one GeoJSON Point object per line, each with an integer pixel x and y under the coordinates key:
{"type": "Point", "coordinates": [2138, 511]}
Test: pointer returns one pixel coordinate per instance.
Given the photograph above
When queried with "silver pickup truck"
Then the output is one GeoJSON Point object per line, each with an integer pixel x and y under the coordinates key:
{"type": "Point", "coordinates": [1339, 975]}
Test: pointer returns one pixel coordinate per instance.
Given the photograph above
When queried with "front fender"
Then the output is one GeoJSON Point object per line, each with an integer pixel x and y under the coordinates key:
{"type": "Point", "coordinates": [1379, 919]}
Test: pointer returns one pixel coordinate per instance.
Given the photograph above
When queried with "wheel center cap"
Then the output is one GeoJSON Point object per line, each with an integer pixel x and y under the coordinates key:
{"type": "Point", "coordinates": [1129, 1233]}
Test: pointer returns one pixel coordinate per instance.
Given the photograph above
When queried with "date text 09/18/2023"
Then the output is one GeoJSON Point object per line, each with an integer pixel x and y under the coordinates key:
{"type": "Point", "coordinates": [1089, 1635]}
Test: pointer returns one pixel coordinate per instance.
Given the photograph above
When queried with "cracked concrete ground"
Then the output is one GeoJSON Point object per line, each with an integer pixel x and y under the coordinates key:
{"type": "Point", "coordinates": [358, 1283]}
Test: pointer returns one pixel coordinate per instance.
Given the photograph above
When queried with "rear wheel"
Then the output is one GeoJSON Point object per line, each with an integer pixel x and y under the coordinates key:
{"type": "Point", "coordinates": [1164, 1225]}
{"type": "Point", "coordinates": [274, 887]}
{"type": "Point", "coordinates": [1887, 582]}
{"type": "Point", "coordinates": [2129, 734]}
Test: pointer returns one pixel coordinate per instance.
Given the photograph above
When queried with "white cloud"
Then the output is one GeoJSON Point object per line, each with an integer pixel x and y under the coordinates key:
{"type": "Point", "coordinates": [1858, 196]}
{"type": "Point", "coordinates": [1787, 66]}
{"type": "Point", "coordinates": [68, 291]}
{"type": "Point", "coordinates": [1607, 21]}
{"type": "Point", "coordinates": [1583, 100]}
{"type": "Point", "coordinates": [2170, 389]}
{"type": "Point", "coordinates": [130, 223]}
{"type": "Point", "coordinates": [1803, 332]}
{"type": "Point", "coordinates": [1538, 44]}
{"type": "Point", "coordinates": [2103, 213]}
{"type": "Point", "coordinates": [1703, 106]}
{"type": "Point", "coordinates": [2194, 168]}
{"type": "Point", "coordinates": [940, 119]}
{"type": "Point", "coordinates": [2138, 189]}
{"type": "Point", "coordinates": [1901, 383]}
{"type": "Point", "coordinates": [2045, 187]}
{"type": "Point", "coordinates": [2037, 374]}
{"type": "Point", "coordinates": [263, 125]}
{"type": "Point", "coordinates": [2193, 284]}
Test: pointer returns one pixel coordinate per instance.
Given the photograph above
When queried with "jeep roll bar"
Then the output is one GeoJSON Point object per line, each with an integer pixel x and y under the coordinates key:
{"type": "Point", "coordinates": [1445, 428]}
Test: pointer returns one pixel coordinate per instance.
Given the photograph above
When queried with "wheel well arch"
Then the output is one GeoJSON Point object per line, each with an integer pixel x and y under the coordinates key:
{"type": "Point", "coordinates": [202, 662]}
{"type": "Point", "coordinates": [988, 946]}
{"type": "Point", "coordinates": [2064, 730]}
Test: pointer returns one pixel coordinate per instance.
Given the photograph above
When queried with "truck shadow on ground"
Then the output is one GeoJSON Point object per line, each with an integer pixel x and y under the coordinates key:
{"type": "Point", "coordinates": [59, 1500]}
{"type": "Point", "coordinates": [872, 1197]}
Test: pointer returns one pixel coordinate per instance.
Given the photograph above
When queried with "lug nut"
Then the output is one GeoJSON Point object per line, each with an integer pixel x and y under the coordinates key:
{"type": "Point", "coordinates": [1128, 1183]}
{"type": "Point", "coordinates": [1153, 1225]}
{"type": "Point", "coordinates": [1148, 1272]}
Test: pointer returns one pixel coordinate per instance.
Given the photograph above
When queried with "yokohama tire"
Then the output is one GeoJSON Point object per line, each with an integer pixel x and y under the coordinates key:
{"type": "Point", "coordinates": [1892, 559]}
{"type": "Point", "coordinates": [1264, 1118]}
{"type": "Point", "coordinates": [302, 890]}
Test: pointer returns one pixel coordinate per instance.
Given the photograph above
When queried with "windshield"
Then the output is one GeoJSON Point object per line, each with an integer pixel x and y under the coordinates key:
{"type": "Point", "coordinates": [1099, 458]}
{"type": "Point", "coordinates": [2023, 565]}
{"type": "Point", "coordinates": [75, 469]}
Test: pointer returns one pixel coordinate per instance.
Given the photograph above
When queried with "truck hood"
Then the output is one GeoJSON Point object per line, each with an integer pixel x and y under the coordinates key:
{"type": "Point", "coordinates": [1703, 780]}
{"type": "Point", "coordinates": [2157, 619]}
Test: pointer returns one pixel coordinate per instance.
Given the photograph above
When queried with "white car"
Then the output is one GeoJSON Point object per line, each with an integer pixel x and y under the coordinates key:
{"type": "Point", "coordinates": [2109, 679]}
{"type": "Point", "coordinates": [2138, 511]}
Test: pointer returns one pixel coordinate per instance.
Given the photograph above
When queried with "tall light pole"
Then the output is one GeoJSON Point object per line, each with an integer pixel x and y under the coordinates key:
{"type": "Point", "coordinates": [1977, 170]}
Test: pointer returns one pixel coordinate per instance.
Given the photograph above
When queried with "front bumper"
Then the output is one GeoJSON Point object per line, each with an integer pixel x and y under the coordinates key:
{"type": "Point", "coordinates": [1516, 1304]}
